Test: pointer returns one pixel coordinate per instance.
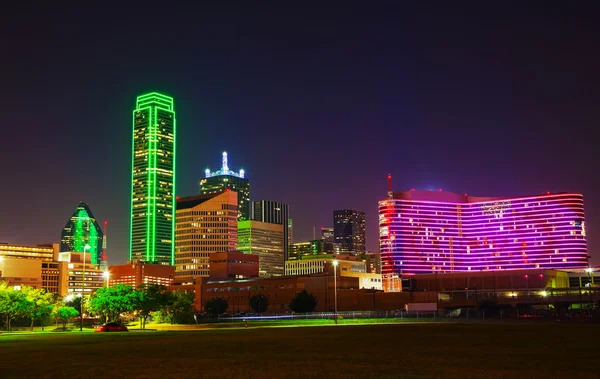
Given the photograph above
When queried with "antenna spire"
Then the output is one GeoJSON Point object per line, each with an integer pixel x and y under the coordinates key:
{"type": "Point", "coordinates": [224, 166]}
{"type": "Point", "coordinates": [390, 192]}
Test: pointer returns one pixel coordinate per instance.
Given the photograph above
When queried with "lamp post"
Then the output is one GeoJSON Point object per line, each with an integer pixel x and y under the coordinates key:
{"type": "Point", "coordinates": [589, 271]}
{"type": "Point", "coordinates": [85, 248]}
{"type": "Point", "coordinates": [335, 264]}
{"type": "Point", "coordinates": [106, 275]}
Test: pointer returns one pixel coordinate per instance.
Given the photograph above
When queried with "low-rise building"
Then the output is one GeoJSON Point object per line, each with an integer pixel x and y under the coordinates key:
{"type": "Point", "coordinates": [233, 265]}
{"type": "Point", "coordinates": [83, 276]}
{"type": "Point", "coordinates": [136, 274]}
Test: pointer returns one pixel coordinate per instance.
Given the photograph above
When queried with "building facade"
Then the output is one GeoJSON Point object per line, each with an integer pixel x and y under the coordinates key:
{"type": "Point", "coordinates": [327, 236]}
{"type": "Point", "coordinates": [153, 180]}
{"type": "Point", "coordinates": [349, 232]}
{"type": "Point", "coordinates": [265, 240]}
{"type": "Point", "coordinates": [433, 232]}
{"type": "Point", "coordinates": [83, 275]}
{"type": "Point", "coordinates": [82, 230]}
{"type": "Point", "coordinates": [205, 224]}
{"type": "Point", "coordinates": [138, 274]}
{"type": "Point", "coordinates": [233, 265]}
{"type": "Point", "coordinates": [273, 212]}
{"type": "Point", "coordinates": [300, 249]}
{"type": "Point", "coordinates": [220, 180]}
{"type": "Point", "coordinates": [373, 262]}
{"type": "Point", "coordinates": [47, 253]}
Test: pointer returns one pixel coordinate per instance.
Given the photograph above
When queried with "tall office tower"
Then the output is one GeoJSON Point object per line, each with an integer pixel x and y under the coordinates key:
{"type": "Point", "coordinates": [273, 212]}
{"type": "Point", "coordinates": [153, 180]}
{"type": "Point", "coordinates": [290, 232]}
{"type": "Point", "coordinates": [225, 178]}
{"type": "Point", "coordinates": [348, 232]}
{"type": "Point", "coordinates": [266, 241]}
{"type": "Point", "coordinates": [205, 224]}
{"type": "Point", "coordinates": [434, 231]}
{"type": "Point", "coordinates": [327, 238]}
{"type": "Point", "coordinates": [81, 230]}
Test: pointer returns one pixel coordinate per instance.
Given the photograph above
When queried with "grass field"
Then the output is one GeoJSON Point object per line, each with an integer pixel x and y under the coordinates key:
{"type": "Point", "coordinates": [476, 350]}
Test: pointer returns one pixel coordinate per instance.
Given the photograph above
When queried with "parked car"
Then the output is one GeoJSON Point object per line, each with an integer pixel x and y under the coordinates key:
{"type": "Point", "coordinates": [110, 327]}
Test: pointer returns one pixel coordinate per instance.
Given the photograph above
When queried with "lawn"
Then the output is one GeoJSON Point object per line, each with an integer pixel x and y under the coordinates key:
{"type": "Point", "coordinates": [451, 350]}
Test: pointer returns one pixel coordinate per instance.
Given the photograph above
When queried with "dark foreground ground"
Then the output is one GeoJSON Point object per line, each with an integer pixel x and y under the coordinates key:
{"type": "Point", "coordinates": [386, 351]}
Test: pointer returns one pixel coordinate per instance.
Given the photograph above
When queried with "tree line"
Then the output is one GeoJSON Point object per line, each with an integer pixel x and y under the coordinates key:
{"type": "Point", "coordinates": [110, 303]}
{"type": "Point", "coordinates": [303, 302]}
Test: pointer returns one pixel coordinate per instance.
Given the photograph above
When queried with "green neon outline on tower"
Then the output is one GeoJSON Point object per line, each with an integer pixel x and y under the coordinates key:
{"type": "Point", "coordinates": [153, 180]}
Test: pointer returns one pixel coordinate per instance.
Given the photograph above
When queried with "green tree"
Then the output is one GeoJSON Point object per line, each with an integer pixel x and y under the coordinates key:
{"type": "Point", "coordinates": [179, 307]}
{"type": "Point", "coordinates": [42, 304]}
{"type": "Point", "coordinates": [64, 314]}
{"type": "Point", "coordinates": [304, 302]}
{"type": "Point", "coordinates": [216, 306]}
{"type": "Point", "coordinates": [13, 304]}
{"type": "Point", "coordinates": [259, 303]}
{"type": "Point", "coordinates": [112, 301]}
{"type": "Point", "coordinates": [150, 299]}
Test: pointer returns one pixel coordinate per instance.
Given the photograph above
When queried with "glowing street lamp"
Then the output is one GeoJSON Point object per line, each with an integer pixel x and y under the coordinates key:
{"type": "Point", "coordinates": [335, 264]}
{"type": "Point", "coordinates": [106, 275]}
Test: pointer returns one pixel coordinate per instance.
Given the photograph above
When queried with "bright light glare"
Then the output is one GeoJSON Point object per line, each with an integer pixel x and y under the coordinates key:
{"type": "Point", "coordinates": [544, 293]}
{"type": "Point", "coordinates": [86, 247]}
{"type": "Point", "coordinates": [335, 262]}
{"type": "Point", "coordinates": [589, 269]}
{"type": "Point", "coordinates": [106, 274]}
{"type": "Point", "coordinates": [69, 298]}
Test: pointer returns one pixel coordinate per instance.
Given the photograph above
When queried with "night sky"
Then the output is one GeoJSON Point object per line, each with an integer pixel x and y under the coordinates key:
{"type": "Point", "coordinates": [317, 104]}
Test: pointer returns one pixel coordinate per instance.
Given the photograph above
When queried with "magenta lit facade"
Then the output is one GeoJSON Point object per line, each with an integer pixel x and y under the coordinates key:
{"type": "Point", "coordinates": [429, 231]}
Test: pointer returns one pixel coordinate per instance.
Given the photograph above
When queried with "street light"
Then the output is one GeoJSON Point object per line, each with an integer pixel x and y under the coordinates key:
{"type": "Point", "coordinates": [589, 271]}
{"type": "Point", "coordinates": [106, 275]}
{"type": "Point", "coordinates": [335, 264]}
{"type": "Point", "coordinates": [85, 248]}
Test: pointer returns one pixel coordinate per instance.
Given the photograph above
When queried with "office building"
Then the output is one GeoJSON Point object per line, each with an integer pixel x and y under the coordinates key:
{"type": "Point", "coordinates": [141, 274]}
{"type": "Point", "coordinates": [233, 265]}
{"type": "Point", "coordinates": [153, 180]}
{"type": "Point", "coordinates": [349, 232]}
{"type": "Point", "coordinates": [373, 262]}
{"type": "Point", "coordinates": [290, 232]}
{"type": "Point", "coordinates": [437, 232]}
{"type": "Point", "coordinates": [205, 224]}
{"type": "Point", "coordinates": [47, 253]}
{"type": "Point", "coordinates": [80, 231]}
{"type": "Point", "coordinates": [298, 249]}
{"type": "Point", "coordinates": [327, 237]}
{"type": "Point", "coordinates": [220, 180]}
{"type": "Point", "coordinates": [266, 241]}
{"type": "Point", "coordinates": [83, 275]}
{"type": "Point", "coordinates": [273, 212]}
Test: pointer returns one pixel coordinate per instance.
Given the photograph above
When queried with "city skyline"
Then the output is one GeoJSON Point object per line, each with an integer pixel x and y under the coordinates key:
{"type": "Point", "coordinates": [451, 112]}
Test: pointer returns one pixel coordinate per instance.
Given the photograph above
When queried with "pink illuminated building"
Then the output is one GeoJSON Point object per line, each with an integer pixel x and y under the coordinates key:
{"type": "Point", "coordinates": [435, 231]}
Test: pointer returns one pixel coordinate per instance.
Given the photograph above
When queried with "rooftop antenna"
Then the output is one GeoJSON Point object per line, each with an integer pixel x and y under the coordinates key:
{"type": "Point", "coordinates": [224, 166]}
{"type": "Point", "coordinates": [390, 192]}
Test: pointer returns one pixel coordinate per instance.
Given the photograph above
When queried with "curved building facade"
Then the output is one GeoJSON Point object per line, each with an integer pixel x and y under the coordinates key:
{"type": "Point", "coordinates": [430, 231]}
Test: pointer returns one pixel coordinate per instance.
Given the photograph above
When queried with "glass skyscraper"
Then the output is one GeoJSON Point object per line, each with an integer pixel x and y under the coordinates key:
{"type": "Point", "coordinates": [348, 232]}
{"type": "Point", "coordinates": [153, 180]}
{"type": "Point", "coordinates": [81, 230]}
{"type": "Point", "coordinates": [220, 180]}
{"type": "Point", "coordinates": [273, 212]}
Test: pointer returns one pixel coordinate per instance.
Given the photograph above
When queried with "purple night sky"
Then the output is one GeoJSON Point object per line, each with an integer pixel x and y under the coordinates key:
{"type": "Point", "coordinates": [317, 104]}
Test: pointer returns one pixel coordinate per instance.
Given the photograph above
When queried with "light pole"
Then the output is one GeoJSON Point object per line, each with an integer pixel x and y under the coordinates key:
{"type": "Point", "coordinates": [589, 271]}
{"type": "Point", "coordinates": [106, 275]}
{"type": "Point", "coordinates": [85, 248]}
{"type": "Point", "coordinates": [335, 264]}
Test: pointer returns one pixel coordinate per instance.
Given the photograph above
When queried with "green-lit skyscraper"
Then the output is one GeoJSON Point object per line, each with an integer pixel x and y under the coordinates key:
{"type": "Point", "coordinates": [225, 178]}
{"type": "Point", "coordinates": [153, 180]}
{"type": "Point", "coordinates": [81, 230]}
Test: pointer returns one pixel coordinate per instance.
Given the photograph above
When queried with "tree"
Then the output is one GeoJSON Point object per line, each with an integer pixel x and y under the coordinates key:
{"type": "Point", "coordinates": [304, 302]}
{"type": "Point", "coordinates": [259, 303]}
{"type": "Point", "coordinates": [216, 306]}
{"type": "Point", "coordinates": [180, 306]}
{"type": "Point", "coordinates": [64, 314]}
{"type": "Point", "coordinates": [150, 299]}
{"type": "Point", "coordinates": [112, 301]}
{"type": "Point", "coordinates": [42, 304]}
{"type": "Point", "coordinates": [13, 304]}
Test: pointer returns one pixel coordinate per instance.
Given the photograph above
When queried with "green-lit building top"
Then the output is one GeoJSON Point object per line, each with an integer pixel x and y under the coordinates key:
{"type": "Point", "coordinates": [153, 180]}
{"type": "Point", "coordinates": [81, 230]}
{"type": "Point", "coordinates": [225, 178]}
{"type": "Point", "coordinates": [302, 250]}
